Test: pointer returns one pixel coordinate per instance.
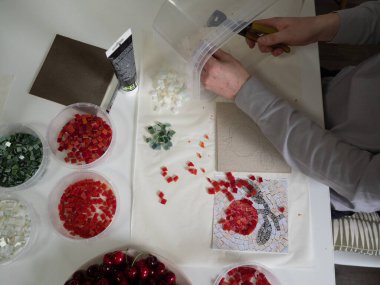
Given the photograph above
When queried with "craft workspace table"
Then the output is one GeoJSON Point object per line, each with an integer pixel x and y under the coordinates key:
{"type": "Point", "coordinates": [27, 29]}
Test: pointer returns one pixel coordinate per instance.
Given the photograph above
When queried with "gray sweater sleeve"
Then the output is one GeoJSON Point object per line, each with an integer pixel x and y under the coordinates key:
{"type": "Point", "coordinates": [353, 173]}
{"type": "Point", "coordinates": [359, 25]}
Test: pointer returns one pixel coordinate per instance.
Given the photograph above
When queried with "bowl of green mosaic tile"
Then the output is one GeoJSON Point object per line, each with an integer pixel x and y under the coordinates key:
{"type": "Point", "coordinates": [19, 224]}
{"type": "Point", "coordinates": [23, 157]}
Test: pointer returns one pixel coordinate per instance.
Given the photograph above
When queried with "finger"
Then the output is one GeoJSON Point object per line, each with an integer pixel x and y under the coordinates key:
{"type": "Point", "coordinates": [265, 49]}
{"type": "Point", "coordinates": [273, 39]}
{"type": "Point", "coordinates": [221, 54]}
{"type": "Point", "coordinates": [203, 76]}
{"type": "Point", "coordinates": [250, 43]}
{"type": "Point", "coordinates": [277, 52]}
{"type": "Point", "coordinates": [210, 63]}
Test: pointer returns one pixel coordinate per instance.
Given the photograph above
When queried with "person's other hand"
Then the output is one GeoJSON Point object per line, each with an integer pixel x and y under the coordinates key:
{"type": "Point", "coordinates": [223, 74]}
{"type": "Point", "coordinates": [297, 31]}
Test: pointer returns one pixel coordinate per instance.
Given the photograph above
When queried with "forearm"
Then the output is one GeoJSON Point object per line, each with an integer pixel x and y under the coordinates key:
{"type": "Point", "coordinates": [306, 146]}
{"type": "Point", "coordinates": [359, 25]}
{"type": "Point", "coordinates": [327, 26]}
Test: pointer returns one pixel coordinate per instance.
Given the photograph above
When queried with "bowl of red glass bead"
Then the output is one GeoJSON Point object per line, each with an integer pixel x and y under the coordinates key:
{"type": "Point", "coordinates": [247, 274]}
{"type": "Point", "coordinates": [128, 267]}
{"type": "Point", "coordinates": [83, 205]}
{"type": "Point", "coordinates": [81, 135]}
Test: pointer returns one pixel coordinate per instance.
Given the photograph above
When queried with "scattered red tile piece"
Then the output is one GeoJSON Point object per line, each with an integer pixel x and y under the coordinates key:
{"type": "Point", "coordinates": [203, 170]}
{"type": "Point", "coordinates": [281, 209]}
{"type": "Point", "coordinates": [191, 168]}
{"type": "Point", "coordinates": [206, 136]}
{"type": "Point", "coordinates": [169, 179]}
{"type": "Point", "coordinates": [202, 144]}
{"type": "Point", "coordinates": [231, 186]}
{"type": "Point", "coordinates": [211, 191]}
{"type": "Point", "coordinates": [199, 155]}
{"type": "Point", "coordinates": [161, 195]}
{"type": "Point", "coordinates": [260, 179]}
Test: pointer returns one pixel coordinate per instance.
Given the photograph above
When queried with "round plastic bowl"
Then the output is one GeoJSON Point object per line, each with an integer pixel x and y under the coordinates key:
{"type": "Point", "coordinates": [60, 121]}
{"type": "Point", "coordinates": [272, 279]}
{"type": "Point", "coordinates": [133, 253]}
{"type": "Point", "coordinates": [24, 218]}
{"type": "Point", "coordinates": [55, 199]}
{"type": "Point", "coordinates": [10, 129]}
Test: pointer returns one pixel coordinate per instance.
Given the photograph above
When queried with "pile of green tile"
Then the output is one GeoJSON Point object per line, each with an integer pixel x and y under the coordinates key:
{"type": "Point", "coordinates": [20, 157]}
{"type": "Point", "coordinates": [160, 136]}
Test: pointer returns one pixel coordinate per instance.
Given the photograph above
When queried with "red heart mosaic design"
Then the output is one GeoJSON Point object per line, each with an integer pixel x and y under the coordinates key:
{"type": "Point", "coordinates": [241, 217]}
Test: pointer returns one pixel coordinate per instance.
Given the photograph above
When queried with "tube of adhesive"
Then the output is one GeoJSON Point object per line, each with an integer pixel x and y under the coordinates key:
{"type": "Point", "coordinates": [122, 58]}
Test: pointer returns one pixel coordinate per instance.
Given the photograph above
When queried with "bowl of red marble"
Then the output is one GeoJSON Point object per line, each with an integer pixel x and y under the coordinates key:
{"type": "Point", "coordinates": [83, 205]}
{"type": "Point", "coordinates": [128, 266]}
{"type": "Point", "coordinates": [81, 135]}
{"type": "Point", "coordinates": [252, 274]}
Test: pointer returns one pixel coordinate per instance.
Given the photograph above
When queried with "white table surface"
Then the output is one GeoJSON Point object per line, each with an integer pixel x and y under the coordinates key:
{"type": "Point", "coordinates": [27, 29]}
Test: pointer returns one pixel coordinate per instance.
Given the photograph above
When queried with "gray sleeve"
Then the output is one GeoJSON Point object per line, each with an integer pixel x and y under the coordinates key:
{"type": "Point", "coordinates": [351, 172]}
{"type": "Point", "coordinates": [359, 25]}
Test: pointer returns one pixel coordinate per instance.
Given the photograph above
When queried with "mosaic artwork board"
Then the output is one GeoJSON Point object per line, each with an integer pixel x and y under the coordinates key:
{"type": "Point", "coordinates": [270, 208]}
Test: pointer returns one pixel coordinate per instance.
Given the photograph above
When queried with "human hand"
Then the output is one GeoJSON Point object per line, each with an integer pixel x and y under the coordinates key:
{"type": "Point", "coordinates": [224, 75]}
{"type": "Point", "coordinates": [297, 31]}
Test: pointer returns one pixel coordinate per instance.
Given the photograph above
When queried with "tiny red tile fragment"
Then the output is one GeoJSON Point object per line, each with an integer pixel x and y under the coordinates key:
{"type": "Point", "coordinates": [202, 144]}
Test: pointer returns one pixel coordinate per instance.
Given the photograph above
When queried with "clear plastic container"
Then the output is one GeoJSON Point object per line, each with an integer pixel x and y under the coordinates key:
{"type": "Point", "coordinates": [27, 213]}
{"type": "Point", "coordinates": [57, 192]}
{"type": "Point", "coordinates": [63, 118]}
{"type": "Point", "coordinates": [258, 267]}
{"type": "Point", "coordinates": [10, 129]}
{"type": "Point", "coordinates": [195, 31]}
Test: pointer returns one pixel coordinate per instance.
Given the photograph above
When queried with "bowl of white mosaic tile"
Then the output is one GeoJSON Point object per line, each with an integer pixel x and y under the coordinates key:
{"type": "Point", "coordinates": [18, 222]}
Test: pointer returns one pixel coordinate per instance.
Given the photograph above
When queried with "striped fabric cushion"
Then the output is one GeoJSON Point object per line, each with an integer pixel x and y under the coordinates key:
{"type": "Point", "coordinates": [357, 233]}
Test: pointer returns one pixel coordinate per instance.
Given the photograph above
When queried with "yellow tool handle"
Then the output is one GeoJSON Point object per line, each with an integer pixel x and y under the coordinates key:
{"type": "Point", "coordinates": [257, 30]}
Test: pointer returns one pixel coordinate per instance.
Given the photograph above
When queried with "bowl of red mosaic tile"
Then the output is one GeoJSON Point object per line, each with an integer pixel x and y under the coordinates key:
{"type": "Point", "coordinates": [247, 274]}
{"type": "Point", "coordinates": [83, 205]}
{"type": "Point", "coordinates": [128, 266]}
{"type": "Point", "coordinates": [81, 135]}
